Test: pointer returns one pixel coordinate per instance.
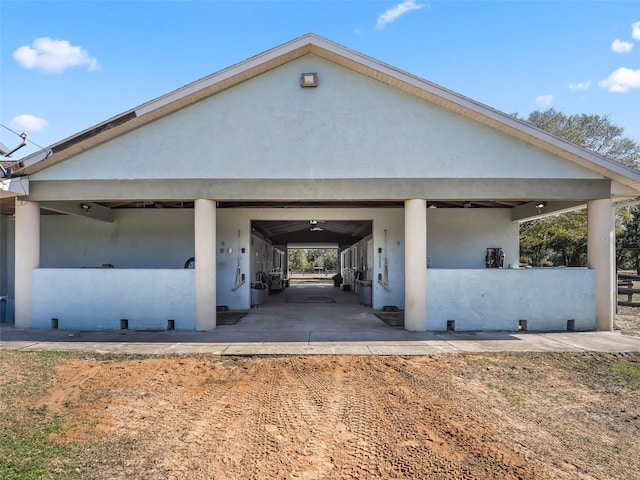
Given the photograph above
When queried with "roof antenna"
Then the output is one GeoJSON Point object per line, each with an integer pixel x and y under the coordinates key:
{"type": "Point", "coordinates": [4, 150]}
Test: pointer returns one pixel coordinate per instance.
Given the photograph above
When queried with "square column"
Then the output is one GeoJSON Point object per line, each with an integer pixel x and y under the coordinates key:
{"type": "Point", "coordinates": [601, 256]}
{"type": "Point", "coordinates": [415, 265]}
{"type": "Point", "coordinates": [27, 257]}
{"type": "Point", "coordinates": [205, 263]}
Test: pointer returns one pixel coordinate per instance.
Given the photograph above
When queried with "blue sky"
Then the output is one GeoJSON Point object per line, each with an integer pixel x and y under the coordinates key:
{"type": "Point", "coordinates": [66, 66]}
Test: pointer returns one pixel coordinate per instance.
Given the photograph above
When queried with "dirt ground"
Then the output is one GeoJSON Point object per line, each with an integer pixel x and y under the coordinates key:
{"type": "Point", "coordinates": [489, 416]}
{"type": "Point", "coordinates": [462, 416]}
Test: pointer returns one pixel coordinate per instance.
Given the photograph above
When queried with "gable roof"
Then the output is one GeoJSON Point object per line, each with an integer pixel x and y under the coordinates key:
{"type": "Point", "coordinates": [313, 44]}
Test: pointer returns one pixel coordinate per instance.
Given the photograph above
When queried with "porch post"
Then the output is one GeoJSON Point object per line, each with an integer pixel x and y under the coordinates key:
{"type": "Point", "coordinates": [602, 258]}
{"type": "Point", "coordinates": [415, 265]}
{"type": "Point", "coordinates": [27, 257]}
{"type": "Point", "coordinates": [205, 264]}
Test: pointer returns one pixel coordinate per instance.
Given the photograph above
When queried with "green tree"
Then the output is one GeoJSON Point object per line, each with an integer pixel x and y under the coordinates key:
{"type": "Point", "coordinates": [535, 243]}
{"type": "Point", "coordinates": [331, 260]}
{"type": "Point", "coordinates": [298, 259]}
{"type": "Point", "coordinates": [561, 239]}
{"type": "Point", "coordinates": [593, 132]}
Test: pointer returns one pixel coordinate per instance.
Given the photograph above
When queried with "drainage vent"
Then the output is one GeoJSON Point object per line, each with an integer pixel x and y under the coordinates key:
{"type": "Point", "coordinates": [451, 325]}
{"type": "Point", "coordinates": [124, 324]}
{"type": "Point", "coordinates": [171, 324]}
{"type": "Point", "coordinates": [571, 325]}
{"type": "Point", "coordinates": [522, 325]}
{"type": "Point", "coordinates": [54, 323]}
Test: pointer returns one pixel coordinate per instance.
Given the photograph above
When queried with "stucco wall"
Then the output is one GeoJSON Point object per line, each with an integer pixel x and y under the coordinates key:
{"type": "Point", "coordinates": [98, 298]}
{"type": "Point", "coordinates": [163, 238]}
{"type": "Point", "coordinates": [7, 267]}
{"type": "Point", "coordinates": [233, 231]}
{"type": "Point", "coordinates": [350, 126]}
{"type": "Point", "coordinates": [261, 256]}
{"type": "Point", "coordinates": [138, 238]}
{"type": "Point", "coordinates": [458, 238]}
{"type": "Point", "coordinates": [493, 299]}
{"type": "Point", "coordinates": [4, 254]}
{"type": "Point", "coordinates": [458, 286]}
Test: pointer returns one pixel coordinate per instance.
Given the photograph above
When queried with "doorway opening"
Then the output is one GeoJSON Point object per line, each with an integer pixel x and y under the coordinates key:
{"type": "Point", "coordinates": [309, 253]}
{"type": "Point", "coordinates": [312, 265]}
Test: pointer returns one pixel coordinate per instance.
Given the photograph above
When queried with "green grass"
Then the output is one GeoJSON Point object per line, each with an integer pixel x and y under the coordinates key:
{"type": "Point", "coordinates": [614, 372]}
{"type": "Point", "coordinates": [28, 453]}
{"type": "Point", "coordinates": [629, 371]}
{"type": "Point", "coordinates": [26, 448]}
{"type": "Point", "coordinates": [517, 395]}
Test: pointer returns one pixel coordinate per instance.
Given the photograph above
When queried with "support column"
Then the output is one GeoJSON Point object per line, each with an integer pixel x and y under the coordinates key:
{"type": "Point", "coordinates": [205, 267]}
{"type": "Point", "coordinates": [27, 257]}
{"type": "Point", "coordinates": [415, 265]}
{"type": "Point", "coordinates": [601, 257]}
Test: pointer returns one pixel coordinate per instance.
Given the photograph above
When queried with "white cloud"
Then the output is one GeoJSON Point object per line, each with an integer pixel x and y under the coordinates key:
{"type": "Point", "coordinates": [28, 122]}
{"type": "Point", "coordinates": [51, 55]}
{"type": "Point", "coordinates": [635, 30]}
{"type": "Point", "coordinates": [544, 100]}
{"type": "Point", "coordinates": [580, 85]}
{"type": "Point", "coordinates": [394, 13]}
{"type": "Point", "coordinates": [621, 80]}
{"type": "Point", "coordinates": [619, 46]}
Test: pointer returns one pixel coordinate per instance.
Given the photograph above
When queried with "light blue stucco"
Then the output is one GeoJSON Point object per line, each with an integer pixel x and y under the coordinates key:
{"type": "Point", "coordinates": [350, 126]}
{"type": "Point", "coordinates": [138, 238]}
{"type": "Point", "coordinates": [99, 298]}
{"type": "Point", "coordinates": [148, 248]}
{"type": "Point", "coordinates": [7, 268]}
{"type": "Point", "coordinates": [497, 299]}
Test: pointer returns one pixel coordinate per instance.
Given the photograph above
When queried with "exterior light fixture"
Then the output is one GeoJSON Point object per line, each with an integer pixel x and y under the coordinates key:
{"type": "Point", "coordinates": [313, 222]}
{"type": "Point", "coordinates": [308, 80]}
{"type": "Point", "coordinates": [86, 207]}
{"type": "Point", "coordinates": [466, 204]}
{"type": "Point", "coordinates": [540, 206]}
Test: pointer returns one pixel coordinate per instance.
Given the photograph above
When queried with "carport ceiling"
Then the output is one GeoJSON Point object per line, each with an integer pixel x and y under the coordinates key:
{"type": "Point", "coordinates": [281, 232]}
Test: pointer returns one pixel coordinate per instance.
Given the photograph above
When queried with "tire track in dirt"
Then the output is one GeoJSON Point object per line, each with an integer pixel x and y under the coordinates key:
{"type": "Point", "coordinates": [265, 458]}
{"type": "Point", "coordinates": [222, 418]}
{"type": "Point", "coordinates": [316, 409]}
{"type": "Point", "coordinates": [457, 439]}
{"type": "Point", "coordinates": [294, 418]}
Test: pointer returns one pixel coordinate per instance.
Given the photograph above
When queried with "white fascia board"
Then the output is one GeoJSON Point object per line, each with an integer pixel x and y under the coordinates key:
{"type": "Point", "coordinates": [34, 158]}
